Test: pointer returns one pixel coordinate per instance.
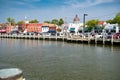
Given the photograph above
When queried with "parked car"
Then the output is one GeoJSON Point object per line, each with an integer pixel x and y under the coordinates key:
{"type": "Point", "coordinates": [36, 33]}
{"type": "Point", "coordinates": [99, 35]}
{"type": "Point", "coordinates": [53, 34]}
{"type": "Point", "coordinates": [92, 34]}
{"type": "Point", "coordinates": [86, 34]}
{"type": "Point", "coordinates": [39, 33]}
{"type": "Point", "coordinates": [109, 35]}
{"type": "Point", "coordinates": [30, 33]}
{"type": "Point", "coordinates": [2, 31]}
{"type": "Point", "coordinates": [14, 32]}
{"type": "Point", "coordinates": [116, 36]}
{"type": "Point", "coordinates": [60, 34]}
{"type": "Point", "coordinates": [47, 34]}
{"type": "Point", "coordinates": [80, 34]}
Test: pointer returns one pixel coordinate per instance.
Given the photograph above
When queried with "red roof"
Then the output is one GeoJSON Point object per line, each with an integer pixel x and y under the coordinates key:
{"type": "Point", "coordinates": [39, 24]}
{"type": "Point", "coordinates": [101, 22]}
{"type": "Point", "coordinates": [34, 24]}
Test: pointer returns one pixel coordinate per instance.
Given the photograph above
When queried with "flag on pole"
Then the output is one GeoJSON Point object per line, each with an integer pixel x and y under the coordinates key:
{"type": "Point", "coordinates": [25, 17]}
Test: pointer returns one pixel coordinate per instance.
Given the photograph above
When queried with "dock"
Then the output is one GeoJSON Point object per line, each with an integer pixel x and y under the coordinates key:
{"type": "Point", "coordinates": [72, 39]}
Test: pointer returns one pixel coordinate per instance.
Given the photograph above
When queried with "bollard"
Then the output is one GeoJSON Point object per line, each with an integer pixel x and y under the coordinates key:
{"type": "Point", "coordinates": [95, 40]}
{"type": "Point", "coordinates": [103, 40]}
{"type": "Point", "coordinates": [11, 74]}
{"type": "Point", "coordinates": [88, 38]}
{"type": "Point", "coordinates": [112, 40]}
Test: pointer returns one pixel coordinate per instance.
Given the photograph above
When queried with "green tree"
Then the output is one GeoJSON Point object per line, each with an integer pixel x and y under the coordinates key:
{"type": "Point", "coordinates": [111, 21]}
{"type": "Point", "coordinates": [47, 22]}
{"type": "Point", "coordinates": [61, 21]}
{"type": "Point", "coordinates": [11, 20]}
{"type": "Point", "coordinates": [92, 23]}
{"type": "Point", "coordinates": [117, 18]}
{"type": "Point", "coordinates": [20, 22]}
{"type": "Point", "coordinates": [55, 21]}
{"type": "Point", "coordinates": [34, 21]}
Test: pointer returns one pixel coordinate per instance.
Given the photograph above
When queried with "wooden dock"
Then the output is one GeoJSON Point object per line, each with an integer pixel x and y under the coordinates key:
{"type": "Point", "coordinates": [75, 39]}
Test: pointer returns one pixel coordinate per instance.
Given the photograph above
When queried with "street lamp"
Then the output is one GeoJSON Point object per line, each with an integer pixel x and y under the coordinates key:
{"type": "Point", "coordinates": [84, 21]}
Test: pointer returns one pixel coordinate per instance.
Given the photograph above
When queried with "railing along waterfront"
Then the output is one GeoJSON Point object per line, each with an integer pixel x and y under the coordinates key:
{"type": "Point", "coordinates": [72, 38]}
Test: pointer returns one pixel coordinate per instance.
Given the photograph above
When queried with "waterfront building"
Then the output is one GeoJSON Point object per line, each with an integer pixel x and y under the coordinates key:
{"type": "Point", "coordinates": [33, 27]}
{"type": "Point", "coordinates": [45, 27]}
{"type": "Point", "coordinates": [9, 28]}
{"type": "Point", "coordinates": [20, 28]}
{"type": "Point", "coordinates": [52, 28]}
{"type": "Point", "coordinates": [2, 28]}
{"type": "Point", "coordinates": [73, 27]}
{"type": "Point", "coordinates": [102, 23]}
{"type": "Point", "coordinates": [39, 27]}
{"type": "Point", "coordinates": [111, 28]}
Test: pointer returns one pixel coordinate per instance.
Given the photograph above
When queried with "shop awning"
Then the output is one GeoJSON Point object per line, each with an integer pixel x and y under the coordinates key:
{"type": "Point", "coordinates": [86, 29]}
{"type": "Point", "coordinates": [72, 29]}
{"type": "Point", "coordinates": [2, 31]}
{"type": "Point", "coordinates": [52, 31]}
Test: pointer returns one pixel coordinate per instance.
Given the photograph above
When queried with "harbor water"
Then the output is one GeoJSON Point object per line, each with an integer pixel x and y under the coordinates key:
{"type": "Point", "coordinates": [53, 60]}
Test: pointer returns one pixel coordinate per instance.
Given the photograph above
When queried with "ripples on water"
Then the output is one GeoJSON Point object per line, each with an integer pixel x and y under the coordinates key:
{"type": "Point", "coordinates": [49, 60]}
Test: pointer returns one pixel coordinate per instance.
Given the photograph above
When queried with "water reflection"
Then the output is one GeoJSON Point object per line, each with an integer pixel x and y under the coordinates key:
{"type": "Point", "coordinates": [53, 60]}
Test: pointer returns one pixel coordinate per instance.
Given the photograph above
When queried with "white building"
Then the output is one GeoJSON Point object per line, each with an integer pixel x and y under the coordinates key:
{"type": "Point", "coordinates": [73, 27]}
{"type": "Point", "coordinates": [45, 29]}
{"type": "Point", "coordinates": [111, 28]}
{"type": "Point", "coordinates": [102, 23]}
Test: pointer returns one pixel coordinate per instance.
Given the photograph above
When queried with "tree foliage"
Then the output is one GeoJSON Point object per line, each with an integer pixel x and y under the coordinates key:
{"type": "Point", "coordinates": [61, 21]}
{"type": "Point", "coordinates": [92, 23]}
{"type": "Point", "coordinates": [55, 21]}
{"type": "Point", "coordinates": [34, 21]}
{"type": "Point", "coordinates": [11, 20]}
{"type": "Point", "coordinates": [20, 22]}
{"type": "Point", "coordinates": [115, 20]}
{"type": "Point", "coordinates": [47, 22]}
{"type": "Point", "coordinates": [59, 29]}
{"type": "Point", "coordinates": [110, 21]}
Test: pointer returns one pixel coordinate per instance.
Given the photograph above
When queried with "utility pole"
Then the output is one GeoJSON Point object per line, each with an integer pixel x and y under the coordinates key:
{"type": "Point", "coordinates": [84, 21]}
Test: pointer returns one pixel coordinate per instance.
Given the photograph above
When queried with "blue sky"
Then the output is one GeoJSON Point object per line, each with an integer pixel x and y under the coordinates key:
{"type": "Point", "coordinates": [45, 10]}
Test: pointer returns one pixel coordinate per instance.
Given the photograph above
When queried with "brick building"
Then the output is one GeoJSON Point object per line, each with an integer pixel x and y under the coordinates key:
{"type": "Point", "coordinates": [39, 27]}
{"type": "Point", "coordinates": [33, 27]}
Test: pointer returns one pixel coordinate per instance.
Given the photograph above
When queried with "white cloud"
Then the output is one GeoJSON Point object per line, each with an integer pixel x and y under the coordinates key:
{"type": "Point", "coordinates": [26, 3]}
{"type": "Point", "coordinates": [86, 3]}
{"type": "Point", "coordinates": [68, 11]}
{"type": "Point", "coordinates": [20, 3]}
{"type": "Point", "coordinates": [31, 0]}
